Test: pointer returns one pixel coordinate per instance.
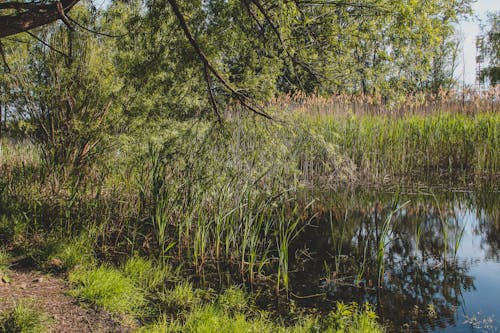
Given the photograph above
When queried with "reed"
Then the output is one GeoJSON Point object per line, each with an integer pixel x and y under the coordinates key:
{"type": "Point", "coordinates": [416, 147]}
{"type": "Point", "coordinates": [467, 101]}
{"type": "Point", "coordinates": [384, 239]}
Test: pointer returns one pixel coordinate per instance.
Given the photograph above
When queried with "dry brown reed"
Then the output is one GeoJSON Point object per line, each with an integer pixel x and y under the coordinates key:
{"type": "Point", "coordinates": [468, 101]}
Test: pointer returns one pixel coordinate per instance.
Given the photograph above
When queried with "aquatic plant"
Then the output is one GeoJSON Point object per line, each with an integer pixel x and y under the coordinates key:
{"type": "Point", "coordinates": [384, 239]}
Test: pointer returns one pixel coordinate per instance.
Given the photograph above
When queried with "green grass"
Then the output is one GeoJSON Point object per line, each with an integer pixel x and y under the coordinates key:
{"type": "Point", "coordinates": [234, 300]}
{"type": "Point", "coordinates": [234, 311]}
{"type": "Point", "coordinates": [181, 298]}
{"type": "Point", "coordinates": [107, 288]}
{"type": "Point", "coordinates": [76, 252]}
{"type": "Point", "coordinates": [214, 319]}
{"type": "Point", "coordinates": [4, 261]}
{"type": "Point", "coordinates": [4, 266]}
{"type": "Point", "coordinates": [147, 274]}
{"type": "Point", "coordinates": [23, 318]}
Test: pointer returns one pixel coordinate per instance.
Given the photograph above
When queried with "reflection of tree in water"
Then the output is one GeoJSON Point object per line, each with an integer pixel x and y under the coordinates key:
{"type": "Point", "coordinates": [488, 223]}
{"type": "Point", "coordinates": [421, 286]}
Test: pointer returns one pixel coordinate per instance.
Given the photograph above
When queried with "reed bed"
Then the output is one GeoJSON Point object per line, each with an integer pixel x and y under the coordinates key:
{"type": "Point", "coordinates": [204, 195]}
{"type": "Point", "coordinates": [416, 147]}
{"type": "Point", "coordinates": [468, 101]}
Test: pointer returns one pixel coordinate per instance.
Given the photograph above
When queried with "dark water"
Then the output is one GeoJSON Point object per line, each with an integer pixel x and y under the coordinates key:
{"type": "Point", "coordinates": [428, 262]}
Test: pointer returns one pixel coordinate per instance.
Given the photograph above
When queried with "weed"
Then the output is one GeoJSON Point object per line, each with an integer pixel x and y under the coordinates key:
{"type": "Point", "coordinates": [181, 298]}
{"type": "Point", "coordinates": [234, 299]}
{"type": "Point", "coordinates": [214, 319]}
{"type": "Point", "coordinates": [4, 265]}
{"type": "Point", "coordinates": [350, 318]}
{"type": "Point", "coordinates": [384, 239]}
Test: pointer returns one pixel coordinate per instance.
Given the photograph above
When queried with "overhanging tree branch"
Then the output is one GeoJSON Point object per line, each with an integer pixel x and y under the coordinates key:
{"type": "Point", "coordinates": [209, 67]}
{"type": "Point", "coordinates": [32, 15]}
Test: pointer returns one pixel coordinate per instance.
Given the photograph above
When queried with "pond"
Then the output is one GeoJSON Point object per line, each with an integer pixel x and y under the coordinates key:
{"type": "Point", "coordinates": [428, 262]}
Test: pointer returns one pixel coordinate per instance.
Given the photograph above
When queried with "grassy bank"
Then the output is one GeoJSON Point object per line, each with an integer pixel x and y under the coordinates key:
{"type": "Point", "coordinates": [220, 206]}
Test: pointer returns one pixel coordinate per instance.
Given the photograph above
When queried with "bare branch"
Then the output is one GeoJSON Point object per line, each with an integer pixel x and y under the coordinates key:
{"type": "Point", "coordinates": [340, 4]}
{"type": "Point", "coordinates": [81, 26]}
{"type": "Point", "coordinates": [63, 17]}
{"type": "Point", "coordinates": [204, 59]}
{"type": "Point", "coordinates": [47, 44]}
{"type": "Point", "coordinates": [211, 96]}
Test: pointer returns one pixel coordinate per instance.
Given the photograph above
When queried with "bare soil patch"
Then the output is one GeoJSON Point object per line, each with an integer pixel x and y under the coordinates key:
{"type": "Point", "coordinates": [48, 294]}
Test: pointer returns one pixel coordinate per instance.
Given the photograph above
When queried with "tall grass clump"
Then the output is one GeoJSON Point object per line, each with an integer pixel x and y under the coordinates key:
{"type": "Point", "coordinates": [467, 101]}
{"type": "Point", "coordinates": [147, 274]}
{"type": "Point", "coordinates": [23, 318]}
{"type": "Point", "coordinates": [107, 288]}
{"type": "Point", "coordinates": [222, 202]}
{"type": "Point", "coordinates": [76, 252]}
{"type": "Point", "coordinates": [229, 195]}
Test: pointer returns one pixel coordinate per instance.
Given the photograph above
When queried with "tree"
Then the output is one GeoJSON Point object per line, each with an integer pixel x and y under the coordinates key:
{"type": "Point", "coordinates": [246, 48]}
{"type": "Point", "coordinates": [63, 94]}
{"type": "Point", "coordinates": [491, 49]}
{"type": "Point", "coordinates": [251, 50]}
{"type": "Point", "coordinates": [181, 58]}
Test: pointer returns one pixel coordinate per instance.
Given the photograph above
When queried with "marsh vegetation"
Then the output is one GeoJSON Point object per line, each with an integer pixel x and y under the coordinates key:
{"type": "Point", "coordinates": [244, 166]}
{"type": "Point", "coordinates": [163, 227]}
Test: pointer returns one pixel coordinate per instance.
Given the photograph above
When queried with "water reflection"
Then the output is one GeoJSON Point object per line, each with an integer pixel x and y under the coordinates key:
{"type": "Point", "coordinates": [402, 253]}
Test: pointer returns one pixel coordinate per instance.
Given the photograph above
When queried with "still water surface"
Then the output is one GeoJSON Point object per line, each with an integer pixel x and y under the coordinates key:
{"type": "Point", "coordinates": [429, 262]}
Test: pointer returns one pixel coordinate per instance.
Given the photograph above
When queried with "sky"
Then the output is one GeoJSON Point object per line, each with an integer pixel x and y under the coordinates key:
{"type": "Point", "coordinates": [469, 30]}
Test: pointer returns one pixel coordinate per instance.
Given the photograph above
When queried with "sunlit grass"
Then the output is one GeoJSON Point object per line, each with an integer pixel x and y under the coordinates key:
{"type": "Point", "coordinates": [107, 288]}
{"type": "Point", "coordinates": [23, 318]}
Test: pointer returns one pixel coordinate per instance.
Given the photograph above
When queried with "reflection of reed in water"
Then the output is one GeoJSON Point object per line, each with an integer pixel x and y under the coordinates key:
{"type": "Point", "coordinates": [412, 252]}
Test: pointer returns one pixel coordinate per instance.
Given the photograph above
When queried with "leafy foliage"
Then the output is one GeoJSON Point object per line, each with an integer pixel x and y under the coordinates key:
{"type": "Point", "coordinates": [65, 94]}
{"type": "Point", "coordinates": [491, 49]}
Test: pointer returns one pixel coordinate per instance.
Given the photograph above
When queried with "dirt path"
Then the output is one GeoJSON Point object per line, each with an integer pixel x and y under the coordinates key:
{"type": "Point", "coordinates": [47, 294]}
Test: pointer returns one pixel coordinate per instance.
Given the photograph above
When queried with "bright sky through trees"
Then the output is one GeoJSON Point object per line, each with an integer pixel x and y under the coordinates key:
{"type": "Point", "coordinates": [470, 29]}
